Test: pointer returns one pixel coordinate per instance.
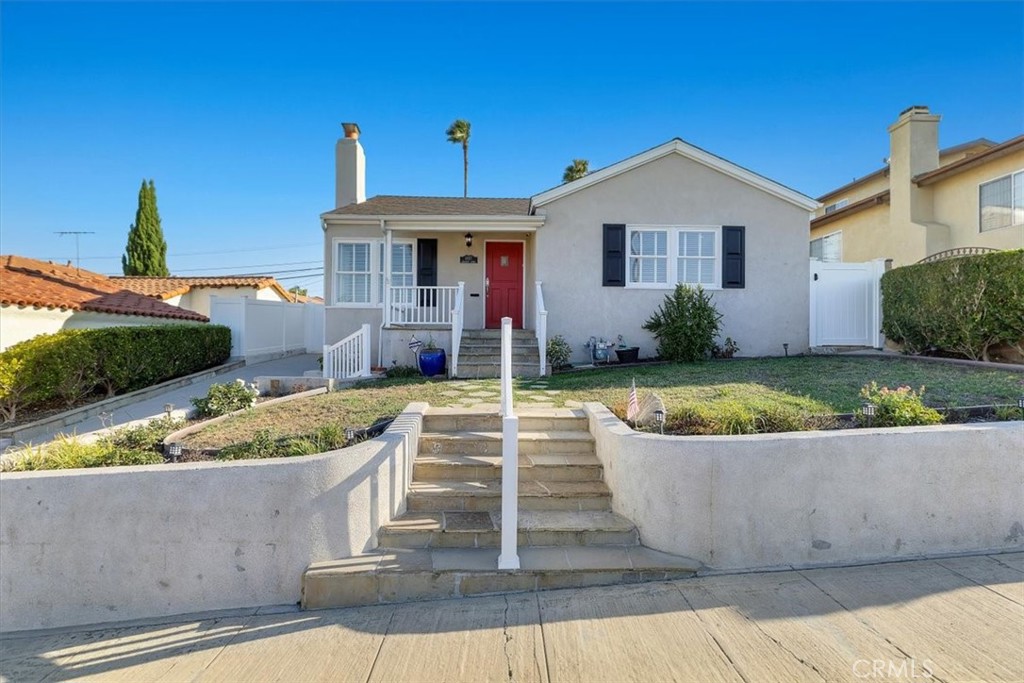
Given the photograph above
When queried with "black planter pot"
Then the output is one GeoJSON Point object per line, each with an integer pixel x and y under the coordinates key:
{"type": "Point", "coordinates": [628, 355]}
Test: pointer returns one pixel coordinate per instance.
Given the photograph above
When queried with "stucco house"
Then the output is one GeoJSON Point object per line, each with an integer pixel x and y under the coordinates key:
{"type": "Point", "coordinates": [593, 257]}
{"type": "Point", "coordinates": [37, 297]}
{"type": "Point", "coordinates": [193, 293]}
{"type": "Point", "coordinates": [925, 201]}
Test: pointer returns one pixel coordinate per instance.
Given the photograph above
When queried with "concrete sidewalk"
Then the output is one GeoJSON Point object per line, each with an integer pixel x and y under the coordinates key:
{"type": "Point", "coordinates": [292, 366]}
{"type": "Point", "coordinates": [959, 619]}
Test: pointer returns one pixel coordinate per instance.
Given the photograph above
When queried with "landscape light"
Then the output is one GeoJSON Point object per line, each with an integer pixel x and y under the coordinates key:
{"type": "Point", "coordinates": [659, 417]}
{"type": "Point", "coordinates": [168, 408]}
{"type": "Point", "coordinates": [869, 411]}
{"type": "Point", "coordinates": [174, 450]}
{"type": "Point", "coordinates": [350, 434]}
{"type": "Point", "coordinates": [1020, 404]}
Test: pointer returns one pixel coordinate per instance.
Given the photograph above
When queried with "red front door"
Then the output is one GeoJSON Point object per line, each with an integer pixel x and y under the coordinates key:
{"type": "Point", "coordinates": [504, 283]}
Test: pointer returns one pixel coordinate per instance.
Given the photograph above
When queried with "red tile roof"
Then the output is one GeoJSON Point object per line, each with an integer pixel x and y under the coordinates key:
{"type": "Point", "coordinates": [167, 287]}
{"type": "Point", "coordinates": [28, 282]}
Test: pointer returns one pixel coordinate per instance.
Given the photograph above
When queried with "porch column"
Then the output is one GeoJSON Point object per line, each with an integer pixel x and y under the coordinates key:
{"type": "Point", "coordinates": [386, 275]}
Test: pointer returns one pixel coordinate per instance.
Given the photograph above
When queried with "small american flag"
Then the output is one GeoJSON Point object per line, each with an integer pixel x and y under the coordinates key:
{"type": "Point", "coordinates": [415, 343]}
{"type": "Point", "coordinates": [633, 409]}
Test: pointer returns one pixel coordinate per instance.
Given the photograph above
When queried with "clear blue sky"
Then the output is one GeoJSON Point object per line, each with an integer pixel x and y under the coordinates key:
{"type": "Point", "coordinates": [234, 108]}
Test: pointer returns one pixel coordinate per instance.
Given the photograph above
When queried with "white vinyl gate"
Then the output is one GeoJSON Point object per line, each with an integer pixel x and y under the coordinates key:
{"type": "Point", "coordinates": [846, 304]}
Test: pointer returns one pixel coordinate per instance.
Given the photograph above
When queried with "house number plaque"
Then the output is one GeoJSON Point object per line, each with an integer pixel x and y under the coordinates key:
{"type": "Point", "coordinates": [468, 258]}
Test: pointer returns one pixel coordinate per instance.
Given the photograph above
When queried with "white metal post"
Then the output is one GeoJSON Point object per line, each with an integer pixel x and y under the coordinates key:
{"type": "Point", "coordinates": [509, 557]}
{"type": "Point", "coordinates": [327, 369]}
{"type": "Point", "coordinates": [365, 368]}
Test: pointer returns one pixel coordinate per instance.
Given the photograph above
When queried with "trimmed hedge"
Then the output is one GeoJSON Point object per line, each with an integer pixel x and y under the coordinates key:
{"type": "Point", "coordinates": [68, 366]}
{"type": "Point", "coordinates": [962, 306]}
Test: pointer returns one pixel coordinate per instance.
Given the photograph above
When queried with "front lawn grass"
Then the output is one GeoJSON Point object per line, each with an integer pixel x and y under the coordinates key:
{"type": "Point", "coordinates": [811, 385]}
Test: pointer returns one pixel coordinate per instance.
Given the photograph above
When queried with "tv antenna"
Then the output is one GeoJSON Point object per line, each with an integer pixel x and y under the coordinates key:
{"type": "Point", "coordinates": [78, 234]}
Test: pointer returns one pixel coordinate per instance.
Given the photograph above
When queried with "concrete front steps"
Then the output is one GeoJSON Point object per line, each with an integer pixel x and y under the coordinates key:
{"type": "Point", "coordinates": [480, 354]}
{"type": "Point", "coordinates": [446, 544]}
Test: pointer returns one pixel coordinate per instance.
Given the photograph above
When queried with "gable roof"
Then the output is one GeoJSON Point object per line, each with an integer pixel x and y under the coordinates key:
{"type": "Point", "coordinates": [398, 205]}
{"type": "Point", "coordinates": [685, 149]}
{"type": "Point", "coordinates": [168, 287]}
{"type": "Point", "coordinates": [39, 284]}
{"type": "Point", "coordinates": [990, 154]}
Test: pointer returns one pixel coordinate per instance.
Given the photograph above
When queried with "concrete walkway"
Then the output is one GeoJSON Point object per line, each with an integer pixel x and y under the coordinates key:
{"type": "Point", "coordinates": [290, 366]}
{"type": "Point", "coordinates": [956, 619]}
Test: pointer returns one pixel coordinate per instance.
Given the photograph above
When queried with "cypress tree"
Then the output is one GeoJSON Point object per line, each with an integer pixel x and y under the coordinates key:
{"type": "Point", "coordinates": [146, 253]}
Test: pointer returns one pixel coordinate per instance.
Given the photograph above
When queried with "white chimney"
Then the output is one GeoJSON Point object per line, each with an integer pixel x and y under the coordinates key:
{"type": "Point", "coordinates": [350, 167]}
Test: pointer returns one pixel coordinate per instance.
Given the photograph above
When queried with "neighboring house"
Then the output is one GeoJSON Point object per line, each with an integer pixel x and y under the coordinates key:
{"type": "Point", "coordinates": [598, 255]}
{"type": "Point", "coordinates": [37, 297]}
{"type": "Point", "coordinates": [926, 201]}
{"type": "Point", "coordinates": [193, 293]}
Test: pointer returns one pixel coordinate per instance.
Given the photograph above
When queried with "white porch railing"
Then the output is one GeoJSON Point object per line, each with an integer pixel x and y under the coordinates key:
{"type": "Point", "coordinates": [350, 357]}
{"type": "Point", "coordinates": [457, 323]}
{"type": "Point", "coordinates": [509, 557]}
{"type": "Point", "coordinates": [419, 305]}
{"type": "Point", "coordinates": [541, 328]}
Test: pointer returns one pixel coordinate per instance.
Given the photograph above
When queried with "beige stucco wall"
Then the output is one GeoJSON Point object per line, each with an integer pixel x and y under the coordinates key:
{"type": "Point", "coordinates": [87, 546]}
{"type": "Point", "coordinates": [817, 498]}
{"type": "Point", "coordinates": [18, 323]}
{"type": "Point", "coordinates": [771, 310]}
{"type": "Point", "coordinates": [862, 191]}
{"type": "Point", "coordinates": [957, 205]}
{"type": "Point", "coordinates": [341, 321]}
{"type": "Point", "coordinates": [866, 235]}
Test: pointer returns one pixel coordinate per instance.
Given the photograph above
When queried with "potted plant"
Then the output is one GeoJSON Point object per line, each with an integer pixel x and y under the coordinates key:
{"type": "Point", "coordinates": [626, 353]}
{"type": "Point", "coordinates": [432, 360]}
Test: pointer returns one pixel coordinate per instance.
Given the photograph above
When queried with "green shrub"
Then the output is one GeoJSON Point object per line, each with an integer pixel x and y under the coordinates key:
{"type": "Point", "coordinates": [686, 324]}
{"type": "Point", "coordinates": [68, 452]}
{"type": "Point", "coordinates": [147, 437]}
{"type": "Point", "coordinates": [222, 399]}
{"type": "Point", "coordinates": [263, 445]}
{"type": "Point", "coordinates": [401, 371]}
{"type": "Point", "coordinates": [70, 365]}
{"type": "Point", "coordinates": [901, 407]}
{"type": "Point", "coordinates": [963, 306]}
{"type": "Point", "coordinates": [559, 352]}
{"type": "Point", "coordinates": [727, 417]}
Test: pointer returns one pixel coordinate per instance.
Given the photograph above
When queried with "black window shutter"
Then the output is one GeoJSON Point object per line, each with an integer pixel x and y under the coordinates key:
{"type": "Point", "coordinates": [733, 246]}
{"type": "Point", "coordinates": [614, 270]}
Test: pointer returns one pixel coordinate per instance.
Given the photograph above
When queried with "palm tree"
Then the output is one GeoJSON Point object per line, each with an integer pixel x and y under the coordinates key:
{"type": "Point", "coordinates": [576, 170]}
{"type": "Point", "coordinates": [458, 132]}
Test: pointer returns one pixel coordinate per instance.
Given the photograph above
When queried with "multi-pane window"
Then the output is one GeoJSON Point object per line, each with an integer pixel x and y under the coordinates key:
{"type": "Point", "coordinates": [353, 273]}
{"type": "Point", "coordinates": [1002, 202]}
{"type": "Point", "coordinates": [648, 257]}
{"type": "Point", "coordinates": [663, 256]}
{"type": "Point", "coordinates": [402, 273]}
{"type": "Point", "coordinates": [696, 262]}
{"type": "Point", "coordinates": [841, 204]}
{"type": "Point", "coordinates": [828, 248]}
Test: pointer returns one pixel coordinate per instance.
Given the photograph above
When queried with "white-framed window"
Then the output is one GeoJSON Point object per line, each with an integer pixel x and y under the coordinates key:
{"type": "Point", "coordinates": [828, 248]}
{"type": "Point", "coordinates": [835, 206]}
{"type": "Point", "coordinates": [1001, 202]}
{"type": "Point", "coordinates": [358, 277]}
{"type": "Point", "coordinates": [353, 273]}
{"type": "Point", "coordinates": [661, 256]}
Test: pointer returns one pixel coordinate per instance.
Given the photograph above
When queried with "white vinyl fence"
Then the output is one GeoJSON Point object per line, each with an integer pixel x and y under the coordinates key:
{"type": "Point", "coordinates": [264, 328]}
{"type": "Point", "coordinates": [846, 304]}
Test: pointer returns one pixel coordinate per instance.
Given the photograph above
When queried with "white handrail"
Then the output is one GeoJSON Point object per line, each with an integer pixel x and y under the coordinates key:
{"type": "Point", "coordinates": [350, 357]}
{"type": "Point", "coordinates": [457, 322]}
{"type": "Point", "coordinates": [509, 557]}
{"type": "Point", "coordinates": [420, 305]}
{"type": "Point", "coordinates": [541, 328]}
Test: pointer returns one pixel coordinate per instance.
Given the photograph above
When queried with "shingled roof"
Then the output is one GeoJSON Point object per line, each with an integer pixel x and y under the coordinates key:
{"type": "Point", "coordinates": [39, 284]}
{"type": "Point", "coordinates": [395, 205]}
{"type": "Point", "coordinates": [168, 287]}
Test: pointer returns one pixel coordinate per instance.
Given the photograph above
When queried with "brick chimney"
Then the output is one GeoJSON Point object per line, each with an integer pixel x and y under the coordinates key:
{"type": "Point", "coordinates": [350, 168]}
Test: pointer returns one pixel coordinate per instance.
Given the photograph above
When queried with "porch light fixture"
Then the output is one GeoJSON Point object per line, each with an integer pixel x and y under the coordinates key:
{"type": "Point", "coordinates": [869, 411]}
{"type": "Point", "coordinates": [350, 435]}
{"type": "Point", "coordinates": [174, 450]}
{"type": "Point", "coordinates": [469, 239]}
{"type": "Point", "coordinates": [659, 417]}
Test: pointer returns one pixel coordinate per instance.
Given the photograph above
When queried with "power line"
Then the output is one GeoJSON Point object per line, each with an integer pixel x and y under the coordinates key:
{"type": "Point", "coordinates": [77, 234]}
{"type": "Point", "coordinates": [299, 277]}
{"type": "Point", "coordinates": [255, 265]}
{"type": "Point", "coordinates": [194, 253]}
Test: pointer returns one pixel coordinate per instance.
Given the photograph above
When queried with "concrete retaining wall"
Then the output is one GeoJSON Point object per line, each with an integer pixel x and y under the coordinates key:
{"type": "Point", "coordinates": [87, 546]}
{"type": "Point", "coordinates": [818, 498]}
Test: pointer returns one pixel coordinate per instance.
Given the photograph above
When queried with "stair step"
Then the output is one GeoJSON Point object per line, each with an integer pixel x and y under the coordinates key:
{"type": "Point", "coordinates": [488, 357]}
{"type": "Point", "coordinates": [461, 420]}
{"type": "Point", "coordinates": [393, 576]}
{"type": "Point", "coordinates": [483, 529]}
{"type": "Point", "coordinates": [485, 496]}
{"type": "Point", "coordinates": [489, 443]}
{"type": "Point", "coordinates": [544, 467]}
{"type": "Point", "coordinates": [488, 370]}
{"type": "Point", "coordinates": [496, 334]}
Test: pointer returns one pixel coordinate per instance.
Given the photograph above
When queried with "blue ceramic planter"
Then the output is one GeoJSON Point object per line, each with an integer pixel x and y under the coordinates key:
{"type": "Point", "coordinates": [432, 362]}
